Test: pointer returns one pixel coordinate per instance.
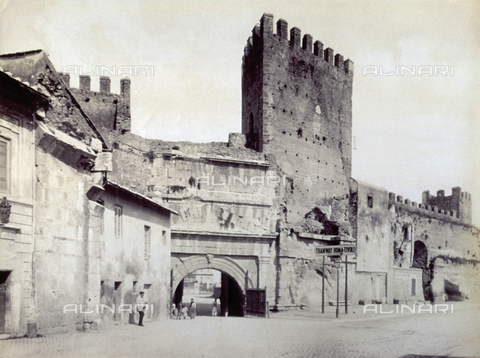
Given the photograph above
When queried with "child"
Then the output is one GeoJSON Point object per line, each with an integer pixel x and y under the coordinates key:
{"type": "Point", "coordinates": [174, 312]}
{"type": "Point", "coordinates": [179, 312]}
{"type": "Point", "coordinates": [184, 311]}
{"type": "Point", "coordinates": [214, 308]}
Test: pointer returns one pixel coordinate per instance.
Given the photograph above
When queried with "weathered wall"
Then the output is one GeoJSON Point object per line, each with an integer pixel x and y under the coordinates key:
{"type": "Point", "coordinates": [463, 274]}
{"type": "Point", "coordinates": [373, 239]}
{"type": "Point", "coordinates": [61, 242]}
{"type": "Point", "coordinates": [407, 286]}
{"type": "Point", "coordinates": [124, 260]}
{"type": "Point", "coordinates": [301, 113]}
{"type": "Point", "coordinates": [442, 235]}
{"type": "Point", "coordinates": [108, 111]}
{"type": "Point", "coordinates": [16, 236]}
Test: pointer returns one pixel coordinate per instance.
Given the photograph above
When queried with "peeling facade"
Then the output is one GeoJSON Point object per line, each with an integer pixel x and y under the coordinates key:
{"type": "Point", "coordinates": [18, 105]}
{"type": "Point", "coordinates": [57, 258]}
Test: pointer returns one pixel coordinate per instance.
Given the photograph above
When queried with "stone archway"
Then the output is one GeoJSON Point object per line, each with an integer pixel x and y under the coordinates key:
{"type": "Point", "coordinates": [234, 279]}
{"type": "Point", "coordinates": [181, 267]}
{"type": "Point", "coordinates": [420, 260]}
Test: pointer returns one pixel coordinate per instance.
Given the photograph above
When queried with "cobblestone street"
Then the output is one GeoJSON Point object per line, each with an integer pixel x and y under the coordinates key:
{"type": "Point", "coordinates": [286, 334]}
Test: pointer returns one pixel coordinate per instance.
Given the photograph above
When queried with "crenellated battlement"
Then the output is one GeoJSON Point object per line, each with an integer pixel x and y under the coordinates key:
{"type": "Point", "coordinates": [428, 207]}
{"type": "Point", "coordinates": [296, 42]}
{"type": "Point", "coordinates": [297, 106]}
{"type": "Point", "coordinates": [104, 81]}
{"type": "Point", "coordinates": [106, 109]}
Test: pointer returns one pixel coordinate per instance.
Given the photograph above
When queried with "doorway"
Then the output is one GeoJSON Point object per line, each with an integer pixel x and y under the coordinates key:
{"type": "Point", "coordinates": [4, 275]}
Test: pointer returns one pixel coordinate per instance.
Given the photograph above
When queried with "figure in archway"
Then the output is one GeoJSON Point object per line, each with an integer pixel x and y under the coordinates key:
{"type": "Point", "coordinates": [193, 309]}
{"type": "Point", "coordinates": [214, 308]}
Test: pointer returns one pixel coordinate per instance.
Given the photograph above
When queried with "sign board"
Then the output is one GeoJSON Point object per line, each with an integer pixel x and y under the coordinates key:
{"type": "Point", "coordinates": [335, 250]}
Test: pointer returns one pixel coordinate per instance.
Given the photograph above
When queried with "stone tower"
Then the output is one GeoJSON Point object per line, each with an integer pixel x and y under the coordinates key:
{"type": "Point", "coordinates": [297, 108]}
{"type": "Point", "coordinates": [459, 203]}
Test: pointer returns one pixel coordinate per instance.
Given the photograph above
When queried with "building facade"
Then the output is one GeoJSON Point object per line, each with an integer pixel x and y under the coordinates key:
{"type": "Point", "coordinates": [56, 249]}
{"type": "Point", "coordinates": [19, 104]}
{"type": "Point", "coordinates": [257, 208]}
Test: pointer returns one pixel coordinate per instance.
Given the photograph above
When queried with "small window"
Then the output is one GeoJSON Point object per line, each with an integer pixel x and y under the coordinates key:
{"type": "Point", "coordinates": [147, 242]}
{"type": "Point", "coordinates": [414, 286]}
{"type": "Point", "coordinates": [118, 220]}
{"type": "Point", "coordinates": [102, 223]}
{"type": "Point", "coordinates": [164, 238]}
{"type": "Point", "coordinates": [370, 201]}
{"type": "Point", "coordinates": [4, 165]}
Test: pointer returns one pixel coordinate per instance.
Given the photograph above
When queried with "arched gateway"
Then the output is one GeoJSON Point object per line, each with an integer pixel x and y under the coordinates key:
{"type": "Point", "coordinates": [181, 267]}
{"type": "Point", "coordinates": [234, 280]}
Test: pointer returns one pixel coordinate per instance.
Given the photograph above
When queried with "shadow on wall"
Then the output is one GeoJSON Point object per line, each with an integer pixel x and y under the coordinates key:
{"type": "Point", "coordinates": [316, 221]}
{"type": "Point", "coordinates": [452, 291]}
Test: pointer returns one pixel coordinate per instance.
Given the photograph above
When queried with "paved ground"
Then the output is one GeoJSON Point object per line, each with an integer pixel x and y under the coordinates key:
{"type": "Point", "coordinates": [286, 334]}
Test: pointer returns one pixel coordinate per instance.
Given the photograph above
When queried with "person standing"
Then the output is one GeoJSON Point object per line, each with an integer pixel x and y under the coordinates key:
{"type": "Point", "coordinates": [193, 309]}
{"type": "Point", "coordinates": [180, 309]}
{"type": "Point", "coordinates": [214, 308]}
{"type": "Point", "coordinates": [184, 311]}
{"type": "Point", "coordinates": [141, 307]}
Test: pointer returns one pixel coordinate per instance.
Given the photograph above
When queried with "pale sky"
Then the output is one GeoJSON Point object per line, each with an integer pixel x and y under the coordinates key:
{"type": "Point", "coordinates": [412, 132]}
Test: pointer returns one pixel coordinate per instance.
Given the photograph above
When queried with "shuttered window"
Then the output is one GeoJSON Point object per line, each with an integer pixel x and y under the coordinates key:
{"type": "Point", "coordinates": [118, 221]}
{"type": "Point", "coordinates": [148, 242]}
{"type": "Point", "coordinates": [3, 165]}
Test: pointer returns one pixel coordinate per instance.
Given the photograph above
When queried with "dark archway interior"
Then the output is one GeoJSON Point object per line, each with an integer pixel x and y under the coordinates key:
{"type": "Point", "coordinates": [420, 260]}
{"type": "Point", "coordinates": [230, 296]}
{"type": "Point", "coordinates": [420, 255]}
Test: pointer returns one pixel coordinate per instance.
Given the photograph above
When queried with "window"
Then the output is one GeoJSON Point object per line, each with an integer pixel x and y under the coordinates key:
{"type": "Point", "coordinates": [164, 238]}
{"type": "Point", "coordinates": [3, 165]}
{"type": "Point", "coordinates": [118, 221]}
{"type": "Point", "coordinates": [147, 242]}
{"type": "Point", "coordinates": [370, 201]}
{"type": "Point", "coordinates": [414, 286]}
{"type": "Point", "coordinates": [102, 223]}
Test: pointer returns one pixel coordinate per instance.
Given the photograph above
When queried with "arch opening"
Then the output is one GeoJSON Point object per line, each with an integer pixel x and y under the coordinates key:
{"type": "Point", "coordinates": [204, 286]}
{"type": "Point", "coordinates": [420, 260]}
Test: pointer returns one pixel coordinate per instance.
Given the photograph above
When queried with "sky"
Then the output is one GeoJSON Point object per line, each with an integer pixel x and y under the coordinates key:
{"type": "Point", "coordinates": [412, 132]}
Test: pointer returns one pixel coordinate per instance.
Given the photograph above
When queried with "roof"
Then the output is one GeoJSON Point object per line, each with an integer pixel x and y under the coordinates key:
{"type": "Point", "coordinates": [35, 69]}
{"type": "Point", "coordinates": [20, 92]}
{"type": "Point", "coordinates": [365, 184]}
{"type": "Point", "coordinates": [138, 196]}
